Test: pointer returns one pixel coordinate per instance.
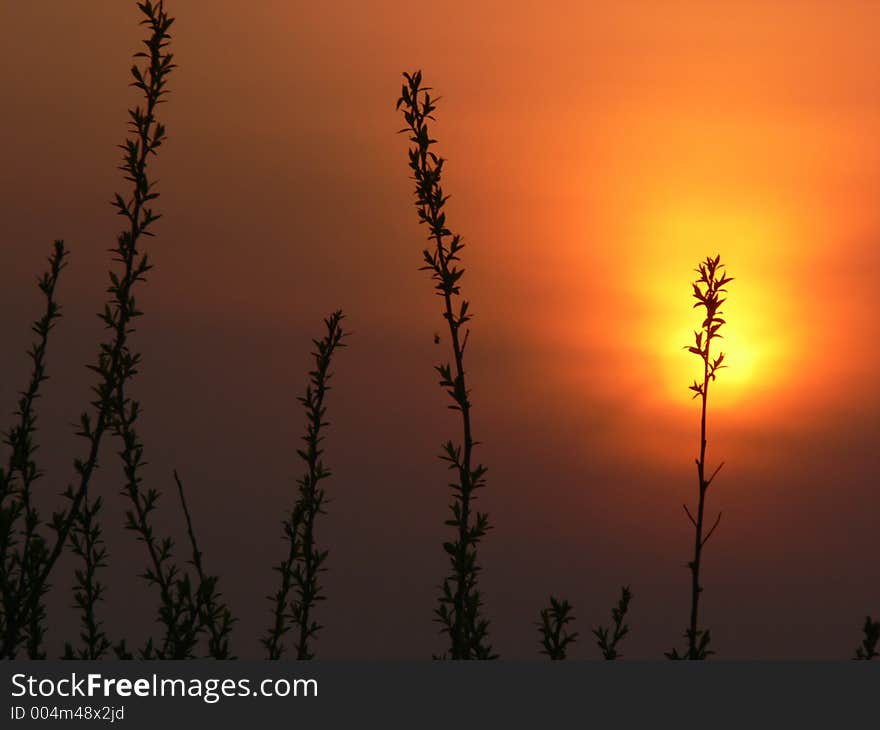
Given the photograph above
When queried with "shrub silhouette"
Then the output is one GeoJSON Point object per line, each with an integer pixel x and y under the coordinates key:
{"type": "Point", "coordinates": [113, 410]}
{"type": "Point", "coordinates": [179, 610]}
{"type": "Point", "coordinates": [708, 290]}
{"type": "Point", "coordinates": [188, 606]}
{"type": "Point", "coordinates": [555, 638]}
{"type": "Point", "coordinates": [460, 604]}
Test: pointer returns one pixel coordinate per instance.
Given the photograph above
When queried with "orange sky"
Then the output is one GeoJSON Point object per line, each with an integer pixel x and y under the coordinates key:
{"type": "Point", "coordinates": [597, 152]}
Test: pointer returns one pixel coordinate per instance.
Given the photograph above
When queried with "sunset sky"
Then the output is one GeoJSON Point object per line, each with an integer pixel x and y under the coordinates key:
{"type": "Point", "coordinates": [596, 153]}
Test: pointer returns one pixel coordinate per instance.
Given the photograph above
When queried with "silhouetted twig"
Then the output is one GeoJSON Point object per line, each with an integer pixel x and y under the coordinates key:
{"type": "Point", "coordinates": [460, 602]}
{"type": "Point", "coordinates": [312, 495]}
{"type": "Point", "coordinates": [554, 637]}
{"type": "Point", "coordinates": [708, 289]}
{"type": "Point", "coordinates": [178, 611]}
{"type": "Point", "coordinates": [273, 641]}
{"type": "Point", "coordinates": [87, 543]}
{"type": "Point", "coordinates": [22, 614]}
{"type": "Point", "coordinates": [115, 362]}
{"type": "Point", "coordinates": [300, 570]}
{"type": "Point", "coordinates": [215, 615]}
{"type": "Point", "coordinates": [608, 638]}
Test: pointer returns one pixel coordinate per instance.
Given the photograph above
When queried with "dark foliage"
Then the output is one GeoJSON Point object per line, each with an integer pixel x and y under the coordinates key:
{"type": "Point", "coordinates": [460, 604]}
{"type": "Point", "coordinates": [300, 571]}
{"type": "Point", "coordinates": [23, 551]}
{"type": "Point", "coordinates": [608, 638]}
{"type": "Point", "coordinates": [554, 636]}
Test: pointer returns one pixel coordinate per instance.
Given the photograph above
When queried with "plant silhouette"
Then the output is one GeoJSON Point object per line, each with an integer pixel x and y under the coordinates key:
{"type": "Point", "coordinates": [871, 640]}
{"type": "Point", "coordinates": [607, 638]}
{"type": "Point", "coordinates": [552, 626]}
{"type": "Point", "coordinates": [117, 363]}
{"type": "Point", "coordinates": [187, 606]}
{"type": "Point", "coordinates": [300, 570]}
{"type": "Point", "coordinates": [192, 616]}
{"type": "Point", "coordinates": [22, 613]}
{"type": "Point", "coordinates": [177, 611]}
{"type": "Point", "coordinates": [214, 615]}
{"type": "Point", "coordinates": [460, 609]}
{"type": "Point", "coordinates": [708, 290]}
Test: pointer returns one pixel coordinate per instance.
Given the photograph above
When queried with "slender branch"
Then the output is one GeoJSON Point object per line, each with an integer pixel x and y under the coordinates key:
{"type": "Point", "coordinates": [21, 603]}
{"type": "Point", "coordinates": [707, 290]}
{"type": "Point", "coordinates": [115, 363]}
{"type": "Point", "coordinates": [305, 561]}
{"type": "Point", "coordinates": [709, 534]}
{"type": "Point", "coordinates": [273, 641]}
{"type": "Point", "coordinates": [87, 543]}
{"type": "Point", "coordinates": [714, 474]}
{"type": "Point", "coordinates": [460, 602]}
{"type": "Point", "coordinates": [608, 638]}
{"type": "Point", "coordinates": [214, 614]}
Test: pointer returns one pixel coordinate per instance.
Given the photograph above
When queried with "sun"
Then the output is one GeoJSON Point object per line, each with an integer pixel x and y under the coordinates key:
{"type": "Point", "coordinates": [750, 352]}
{"type": "Point", "coordinates": [759, 340]}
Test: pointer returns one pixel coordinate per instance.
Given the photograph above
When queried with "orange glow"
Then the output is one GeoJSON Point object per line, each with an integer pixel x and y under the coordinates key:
{"type": "Point", "coordinates": [596, 153]}
{"type": "Point", "coordinates": [774, 189]}
{"type": "Point", "coordinates": [759, 343]}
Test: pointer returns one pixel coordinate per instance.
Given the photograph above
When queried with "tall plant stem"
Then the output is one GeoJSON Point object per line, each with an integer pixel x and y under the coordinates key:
{"type": "Point", "coordinates": [312, 494]}
{"type": "Point", "coordinates": [696, 588]}
{"type": "Point", "coordinates": [116, 364]}
{"type": "Point", "coordinates": [460, 637]}
{"type": "Point", "coordinates": [708, 290]}
{"type": "Point", "coordinates": [22, 597]}
{"type": "Point", "coordinates": [460, 601]}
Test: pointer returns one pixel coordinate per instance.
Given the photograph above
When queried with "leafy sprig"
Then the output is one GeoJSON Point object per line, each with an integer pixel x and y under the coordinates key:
{"type": "Point", "coordinates": [23, 550]}
{"type": "Point", "coordinates": [460, 606]}
{"type": "Point", "coordinates": [555, 638]}
{"type": "Point", "coordinates": [300, 590]}
{"type": "Point", "coordinates": [607, 638]}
